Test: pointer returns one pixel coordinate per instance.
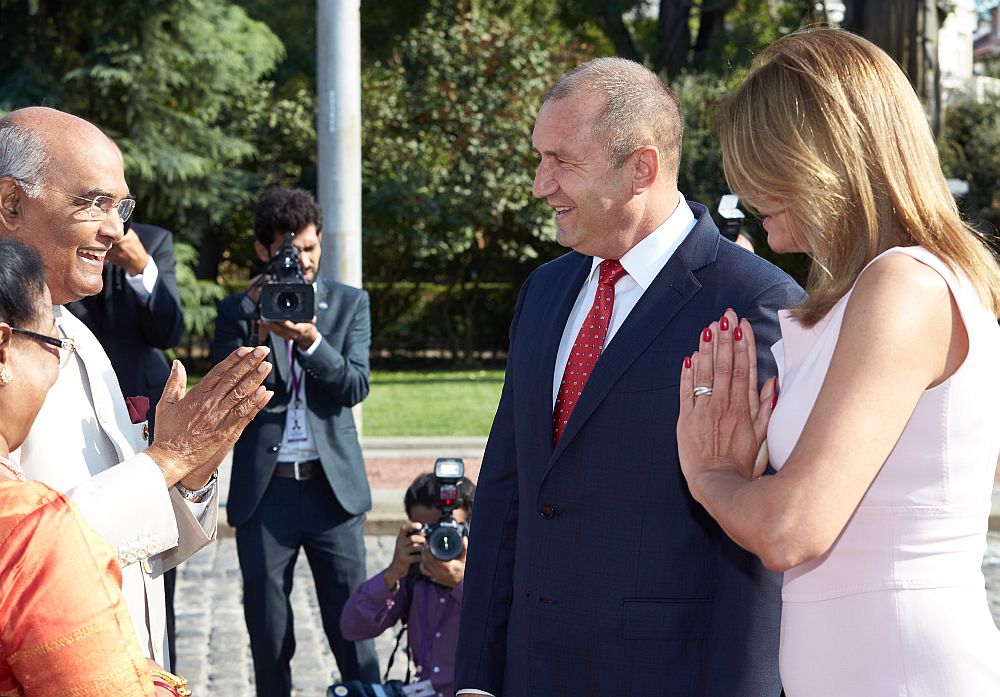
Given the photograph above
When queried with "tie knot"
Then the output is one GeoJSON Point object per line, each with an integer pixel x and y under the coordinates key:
{"type": "Point", "coordinates": [611, 271]}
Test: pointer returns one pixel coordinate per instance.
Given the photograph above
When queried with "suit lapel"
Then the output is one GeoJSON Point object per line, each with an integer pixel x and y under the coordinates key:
{"type": "Point", "coordinates": [105, 394]}
{"type": "Point", "coordinates": [670, 291]}
{"type": "Point", "coordinates": [553, 319]}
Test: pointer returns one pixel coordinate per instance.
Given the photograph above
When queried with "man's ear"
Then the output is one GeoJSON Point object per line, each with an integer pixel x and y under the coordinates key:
{"type": "Point", "coordinates": [647, 168]}
{"type": "Point", "coordinates": [11, 209]}
{"type": "Point", "coordinates": [263, 253]}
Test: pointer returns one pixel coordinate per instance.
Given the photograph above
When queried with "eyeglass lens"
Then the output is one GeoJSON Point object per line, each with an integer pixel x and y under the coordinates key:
{"type": "Point", "coordinates": [104, 204]}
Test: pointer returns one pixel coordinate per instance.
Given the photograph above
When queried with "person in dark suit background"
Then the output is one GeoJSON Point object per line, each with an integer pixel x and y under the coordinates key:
{"type": "Point", "coordinates": [591, 570]}
{"type": "Point", "coordinates": [298, 473]}
{"type": "Point", "coordinates": [136, 317]}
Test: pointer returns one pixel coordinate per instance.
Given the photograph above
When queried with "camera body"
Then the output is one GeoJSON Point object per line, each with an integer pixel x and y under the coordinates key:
{"type": "Point", "coordinates": [444, 538]}
{"type": "Point", "coordinates": [731, 223]}
{"type": "Point", "coordinates": [286, 295]}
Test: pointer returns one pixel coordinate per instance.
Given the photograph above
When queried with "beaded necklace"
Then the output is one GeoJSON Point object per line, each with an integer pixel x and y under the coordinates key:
{"type": "Point", "coordinates": [12, 468]}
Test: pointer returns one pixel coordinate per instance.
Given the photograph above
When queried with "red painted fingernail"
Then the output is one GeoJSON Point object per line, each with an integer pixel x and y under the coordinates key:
{"type": "Point", "coordinates": [724, 323]}
{"type": "Point", "coordinates": [738, 334]}
{"type": "Point", "coordinates": [774, 399]}
{"type": "Point", "coordinates": [687, 361]}
{"type": "Point", "coordinates": [706, 335]}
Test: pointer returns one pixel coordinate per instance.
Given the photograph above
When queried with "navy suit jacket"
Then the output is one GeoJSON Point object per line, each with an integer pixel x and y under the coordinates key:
{"type": "Point", "coordinates": [591, 570]}
{"type": "Point", "coordinates": [135, 332]}
{"type": "Point", "coordinates": [336, 378]}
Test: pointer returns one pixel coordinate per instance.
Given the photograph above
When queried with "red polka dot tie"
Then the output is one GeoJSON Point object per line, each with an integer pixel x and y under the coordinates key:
{"type": "Point", "coordinates": [587, 347]}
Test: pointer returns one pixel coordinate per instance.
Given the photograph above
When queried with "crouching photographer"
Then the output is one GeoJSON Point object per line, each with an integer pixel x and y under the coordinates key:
{"type": "Point", "coordinates": [418, 588]}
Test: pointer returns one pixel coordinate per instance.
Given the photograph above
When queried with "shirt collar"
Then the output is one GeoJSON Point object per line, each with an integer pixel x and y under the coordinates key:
{"type": "Point", "coordinates": [647, 258]}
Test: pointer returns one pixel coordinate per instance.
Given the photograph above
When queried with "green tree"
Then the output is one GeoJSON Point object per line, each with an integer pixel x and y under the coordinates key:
{"type": "Point", "coordinates": [970, 151]}
{"type": "Point", "coordinates": [162, 79]}
{"type": "Point", "coordinates": [685, 35]}
{"type": "Point", "coordinates": [448, 163]}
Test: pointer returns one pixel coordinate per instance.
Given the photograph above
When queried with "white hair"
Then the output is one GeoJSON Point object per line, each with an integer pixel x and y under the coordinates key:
{"type": "Point", "coordinates": [23, 156]}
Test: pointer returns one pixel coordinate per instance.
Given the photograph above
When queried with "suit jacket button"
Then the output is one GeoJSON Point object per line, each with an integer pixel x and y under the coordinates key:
{"type": "Point", "coordinates": [548, 512]}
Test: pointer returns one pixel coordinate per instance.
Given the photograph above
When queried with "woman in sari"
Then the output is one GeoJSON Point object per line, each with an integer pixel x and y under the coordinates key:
{"type": "Point", "coordinates": [64, 627]}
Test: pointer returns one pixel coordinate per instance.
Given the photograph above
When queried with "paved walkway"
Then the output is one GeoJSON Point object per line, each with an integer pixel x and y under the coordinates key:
{"type": "Point", "coordinates": [212, 644]}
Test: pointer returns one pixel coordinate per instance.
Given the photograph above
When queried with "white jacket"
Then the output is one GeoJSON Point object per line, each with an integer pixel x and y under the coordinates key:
{"type": "Point", "coordinates": [83, 443]}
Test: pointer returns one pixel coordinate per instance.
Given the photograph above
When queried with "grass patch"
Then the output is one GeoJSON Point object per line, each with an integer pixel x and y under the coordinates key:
{"type": "Point", "coordinates": [427, 403]}
{"type": "Point", "coordinates": [440, 403]}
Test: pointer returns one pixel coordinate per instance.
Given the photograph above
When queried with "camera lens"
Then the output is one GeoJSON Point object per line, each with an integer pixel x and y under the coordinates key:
{"type": "Point", "coordinates": [446, 543]}
{"type": "Point", "coordinates": [287, 302]}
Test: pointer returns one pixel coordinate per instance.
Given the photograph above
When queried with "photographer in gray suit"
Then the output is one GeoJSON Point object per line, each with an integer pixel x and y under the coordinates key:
{"type": "Point", "coordinates": [298, 473]}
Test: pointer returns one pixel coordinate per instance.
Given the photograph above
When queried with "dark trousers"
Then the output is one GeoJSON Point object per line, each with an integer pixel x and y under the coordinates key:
{"type": "Point", "coordinates": [294, 514]}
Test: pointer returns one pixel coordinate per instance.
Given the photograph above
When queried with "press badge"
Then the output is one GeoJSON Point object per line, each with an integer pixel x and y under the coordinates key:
{"type": "Point", "coordinates": [296, 427]}
{"type": "Point", "coordinates": [419, 689]}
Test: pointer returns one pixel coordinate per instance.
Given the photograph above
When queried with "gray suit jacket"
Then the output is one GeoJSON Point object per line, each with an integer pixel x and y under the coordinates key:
{"type": "Point", "coordinates": [336, 379]}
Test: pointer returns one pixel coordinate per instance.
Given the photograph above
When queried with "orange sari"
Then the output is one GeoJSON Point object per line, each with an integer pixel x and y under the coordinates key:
{"type": "Point", "coordinates": [64, 627]}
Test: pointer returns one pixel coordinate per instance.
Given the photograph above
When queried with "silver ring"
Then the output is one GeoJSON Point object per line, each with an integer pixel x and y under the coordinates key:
{"type": "Point", "coordinates": [702, 390]}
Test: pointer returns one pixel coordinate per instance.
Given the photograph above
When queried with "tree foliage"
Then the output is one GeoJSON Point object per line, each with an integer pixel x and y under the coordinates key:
{"type": "Point", "coordinates": [447, 157]}
{"type": "Point", "coordinates": [970, 151]}
{"type": "Point", "coordinates": [674, 36]}
{"type": "Point", "coordinates": [181, 86]}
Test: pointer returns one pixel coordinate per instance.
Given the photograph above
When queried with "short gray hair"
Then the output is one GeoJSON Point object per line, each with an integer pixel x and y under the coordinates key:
{"type": "Point", "coordinates": [638, 109]}
{"type": "Point", "coordinates": [23, 156]}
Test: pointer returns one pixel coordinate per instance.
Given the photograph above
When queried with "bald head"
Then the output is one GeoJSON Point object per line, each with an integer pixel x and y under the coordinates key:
{"type": "Point", "coordinates": [52, 165]}
{"type": "Point", "coordinates": [46, 135]}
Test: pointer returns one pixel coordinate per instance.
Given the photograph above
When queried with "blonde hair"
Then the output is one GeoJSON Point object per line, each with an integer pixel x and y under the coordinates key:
{"type": "Point", "coordinates": [828, 124]}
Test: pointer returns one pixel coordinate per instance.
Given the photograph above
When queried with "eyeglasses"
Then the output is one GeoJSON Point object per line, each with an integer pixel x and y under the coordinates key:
{"type": "Point", "coordinates": [66, 346]}
{"type": "Point", "coordinates": [99, 207]}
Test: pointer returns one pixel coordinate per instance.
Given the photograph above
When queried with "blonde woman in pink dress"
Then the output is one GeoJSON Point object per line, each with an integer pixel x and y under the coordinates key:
{"type": "Point", "coordinates": [885, 436]}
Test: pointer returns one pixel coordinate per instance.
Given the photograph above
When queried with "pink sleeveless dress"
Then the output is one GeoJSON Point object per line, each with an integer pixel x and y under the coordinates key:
{"type": "Point", "coordinates": [897, 607]}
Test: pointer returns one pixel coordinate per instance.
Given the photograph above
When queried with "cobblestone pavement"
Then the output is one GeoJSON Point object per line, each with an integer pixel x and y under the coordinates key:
{"type": "Point", "coordinates": [212, 645]}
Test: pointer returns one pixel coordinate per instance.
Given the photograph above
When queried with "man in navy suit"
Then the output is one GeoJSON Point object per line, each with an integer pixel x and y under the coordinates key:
{"type": "Point", "coordinates": [298, 474]}
{"type": "Point", "coordinates": [591, 571]}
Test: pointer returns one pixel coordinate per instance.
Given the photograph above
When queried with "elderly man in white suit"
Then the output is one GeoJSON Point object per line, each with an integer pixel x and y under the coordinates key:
{"type": "Point", "coordinates": [63, 191]}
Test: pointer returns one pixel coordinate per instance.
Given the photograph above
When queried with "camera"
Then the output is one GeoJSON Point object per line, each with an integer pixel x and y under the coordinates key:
{"type": "Point", "coordinates": [731, 217]}
{"type": "Point", "coordinates": [286, 295]}
{"type": "Point", "coordinates": [444, 538]}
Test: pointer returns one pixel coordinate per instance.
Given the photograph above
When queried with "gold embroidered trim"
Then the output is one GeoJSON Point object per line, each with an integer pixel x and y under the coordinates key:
{"type": "Point", "coordinates": [64, 641]}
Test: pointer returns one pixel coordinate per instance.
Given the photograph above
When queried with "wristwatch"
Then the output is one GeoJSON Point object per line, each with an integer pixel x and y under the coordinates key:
{"type": "Point", "coordinates": [197, 495]}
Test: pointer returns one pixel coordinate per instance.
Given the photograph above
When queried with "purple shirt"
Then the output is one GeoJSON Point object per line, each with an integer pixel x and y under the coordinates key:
{"type": "Point", "coordinates": [433, 613]}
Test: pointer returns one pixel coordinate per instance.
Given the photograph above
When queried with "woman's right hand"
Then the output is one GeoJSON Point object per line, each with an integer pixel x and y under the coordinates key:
{"type": "Point", "coordinates": [724, 427]}
{"type": "Point", "coordinates": [409, 544]}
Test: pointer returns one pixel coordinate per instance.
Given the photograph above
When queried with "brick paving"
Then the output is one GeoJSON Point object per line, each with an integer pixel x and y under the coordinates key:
{"type": "Point", "coordinates": [212, 645]}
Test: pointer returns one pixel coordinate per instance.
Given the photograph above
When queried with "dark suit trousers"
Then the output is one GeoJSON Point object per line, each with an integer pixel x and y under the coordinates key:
{"type": "Point", "coordinates": [291, 515]}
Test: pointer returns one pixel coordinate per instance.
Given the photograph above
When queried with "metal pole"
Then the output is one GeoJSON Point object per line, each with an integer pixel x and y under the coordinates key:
{"type": "Point", "coordinates": [338, 127]}
{"type": "Point", "coordinates": [338, 91]}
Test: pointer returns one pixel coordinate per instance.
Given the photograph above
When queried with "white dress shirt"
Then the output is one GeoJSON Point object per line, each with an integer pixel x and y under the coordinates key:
{"type": "Point", "coordinates": [144, 283]}
{"type": "Point", "coordinates": [642, 264]}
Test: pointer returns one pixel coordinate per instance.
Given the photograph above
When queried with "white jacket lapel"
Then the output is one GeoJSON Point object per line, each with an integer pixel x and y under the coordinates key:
{"type": "Point", "coordinates": [106, 395]}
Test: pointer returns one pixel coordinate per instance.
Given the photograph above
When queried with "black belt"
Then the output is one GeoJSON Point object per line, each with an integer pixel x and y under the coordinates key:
{"type": "Point", "coordinates": [303, 469]}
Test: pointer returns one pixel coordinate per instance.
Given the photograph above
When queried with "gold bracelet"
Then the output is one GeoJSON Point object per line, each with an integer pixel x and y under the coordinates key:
{"type": "Point", "coordinates": [162, 678]}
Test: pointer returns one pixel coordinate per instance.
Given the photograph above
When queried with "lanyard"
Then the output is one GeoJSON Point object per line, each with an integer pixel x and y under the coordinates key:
{"type": "Point", "coordinates": [296, 380]}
